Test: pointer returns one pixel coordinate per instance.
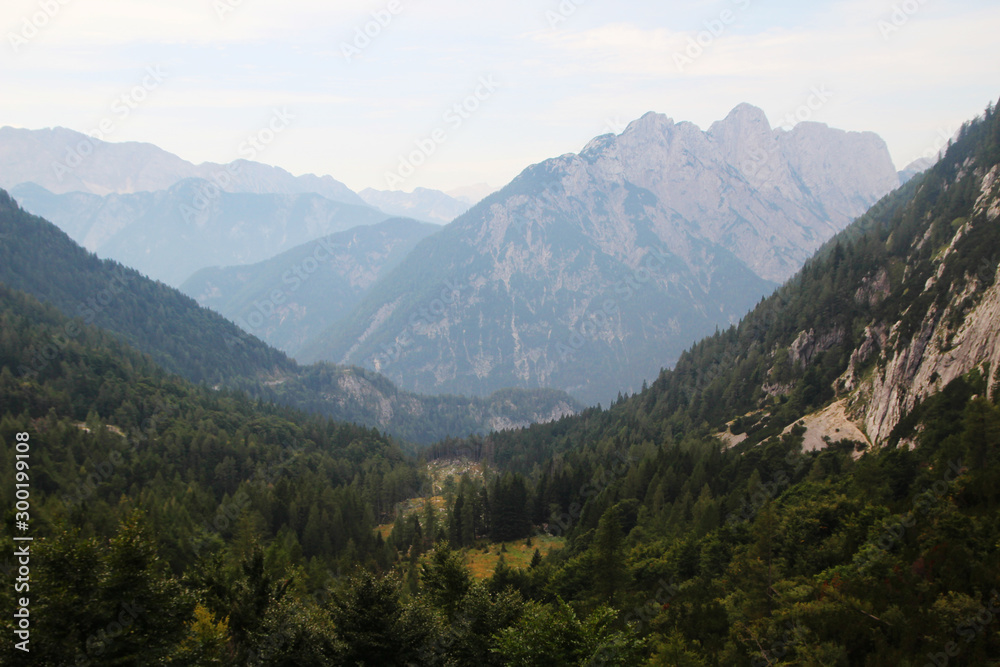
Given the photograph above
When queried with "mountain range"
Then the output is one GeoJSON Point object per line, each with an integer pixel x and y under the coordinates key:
{"type": "Point", "coordinates": [591, 272]}
{"type": "Point", "coordinates": [588, 273]}
{"type": "Point", "coordinates": [171, 234]}
{"type": "Point", "coordinates": [62, 160]}
{"type": "Point", "coordinates": [421, 204]}
{"type": "Point", "coordinates": [289, 299]}
{"type": "Point", "coordinates": [191, 341]}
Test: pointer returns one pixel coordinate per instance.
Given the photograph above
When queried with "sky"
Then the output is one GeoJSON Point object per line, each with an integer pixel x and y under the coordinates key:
{"type": "Point", "coordinates": [398, 94]}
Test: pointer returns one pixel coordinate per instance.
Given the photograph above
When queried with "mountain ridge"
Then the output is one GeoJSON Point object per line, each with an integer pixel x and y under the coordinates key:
{"type": "Point", "coordinates": [287, 299]}
{"type": "Point", "coordinates": [203, 347]}
{"type": "Point", "coordinates": [170, 234]}
{"type": "Point", "coordinates": [572, 232]}
{"type": "Point", "coordinates": [46, 157]}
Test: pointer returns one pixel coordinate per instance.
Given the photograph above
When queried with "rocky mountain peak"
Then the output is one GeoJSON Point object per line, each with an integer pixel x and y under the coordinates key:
{"type": "Point", "coordinates": [700, 224]}
{"type": "Point", "coordinates": [745, 119]}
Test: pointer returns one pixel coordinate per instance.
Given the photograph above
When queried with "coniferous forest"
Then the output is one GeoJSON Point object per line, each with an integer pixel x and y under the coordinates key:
{"type": "Point", "coordinates": [189, 517]}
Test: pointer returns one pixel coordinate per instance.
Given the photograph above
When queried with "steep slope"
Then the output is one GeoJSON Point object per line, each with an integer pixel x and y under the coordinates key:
{"type": "Point", "coordinates": [915, 168]}
{"type": "Point", "coordinates": [890, 312]}
{"type": "Point", "coordinates": [62, 160]}
{"type": "Point", "coordinates": [591, 272]}
{"type": "Point", "coordinates": [172, 233]}
{"type": "Point", "coordinates": [202, 346]}
{"type": "Point", "coordinates": [290, 298]}
{"type": "Point", "coordinates": [38, 258]}
{"type": "Point", "coordinates": [953, 326]}
{"type": "Point", "coordinates": [421, 204]}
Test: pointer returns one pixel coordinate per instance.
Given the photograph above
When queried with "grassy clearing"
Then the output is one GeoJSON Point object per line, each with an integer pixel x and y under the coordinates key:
{"type": "Point", "coordinates": [481, 561]}
{"type": "Point", "coordinates": [443, 475]}
{"type": "Point", "coordinates": [416, 506]}
{"type": "Point", "coordinates": [518, 555]}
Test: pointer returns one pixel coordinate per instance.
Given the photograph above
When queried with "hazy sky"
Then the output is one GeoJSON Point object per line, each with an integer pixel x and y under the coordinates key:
{"type": "Point", "coordinates": [558, 74]}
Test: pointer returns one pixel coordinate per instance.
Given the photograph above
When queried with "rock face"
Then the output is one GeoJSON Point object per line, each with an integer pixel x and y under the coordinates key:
{"type": "Point", "coordinates": [416, 417]}
{"type": "Point", "coordinates": [590, 272]}
{"type": "Point", "coordinates": [828, 425]}
{"type": "Point", "coordinates": [290, 298]}
{"type": "Point", "coordinates": [170, 234]}
{"type": "Point", "coordinates": [950, 341]}
{"type": "Point", "coordinates": [62, 161]}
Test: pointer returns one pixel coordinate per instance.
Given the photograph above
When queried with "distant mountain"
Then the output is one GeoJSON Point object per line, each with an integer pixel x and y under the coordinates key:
{"type": "Point", "coordinates": [184, 338]}
{"type": "Point", "coordinates": [62, 160]}
{"type": "Point", "coordinates": [472, 194]}
{"type": "Point", "coordinates": [291, 298]}
{"type": "Point", "coordinates": [170, 234]}
{"type": "Point", "coordinates": [421, 204]}
{"type": "Point", "coordinates": [918, 166]}
{"type": "Point", "coordinates": [591, 272]}
{"type": "Point", "coordinates": [894, 321]}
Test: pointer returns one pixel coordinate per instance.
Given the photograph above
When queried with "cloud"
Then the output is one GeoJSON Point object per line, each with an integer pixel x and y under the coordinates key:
{"type": "Point", "coordinates": [560, 88]}
{"type": "Point", "coordinates": [109, 23]}
{"type": "Point", "coordinates": [918, 50]}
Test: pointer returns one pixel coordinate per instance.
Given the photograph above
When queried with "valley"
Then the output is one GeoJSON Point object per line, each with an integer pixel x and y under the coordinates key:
{"type": "Point", "coordinates": [712, 385]}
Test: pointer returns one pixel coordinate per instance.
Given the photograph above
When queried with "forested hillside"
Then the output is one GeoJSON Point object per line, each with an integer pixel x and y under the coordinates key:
{"type": "Point", "coordinates": [183, 480]}
{"type": "Point", "coordinates": [722, 551]}
{"type": "Point", "coordinates": [40, 259]}
{"type": "Point", "coordinates": [204, 347]}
